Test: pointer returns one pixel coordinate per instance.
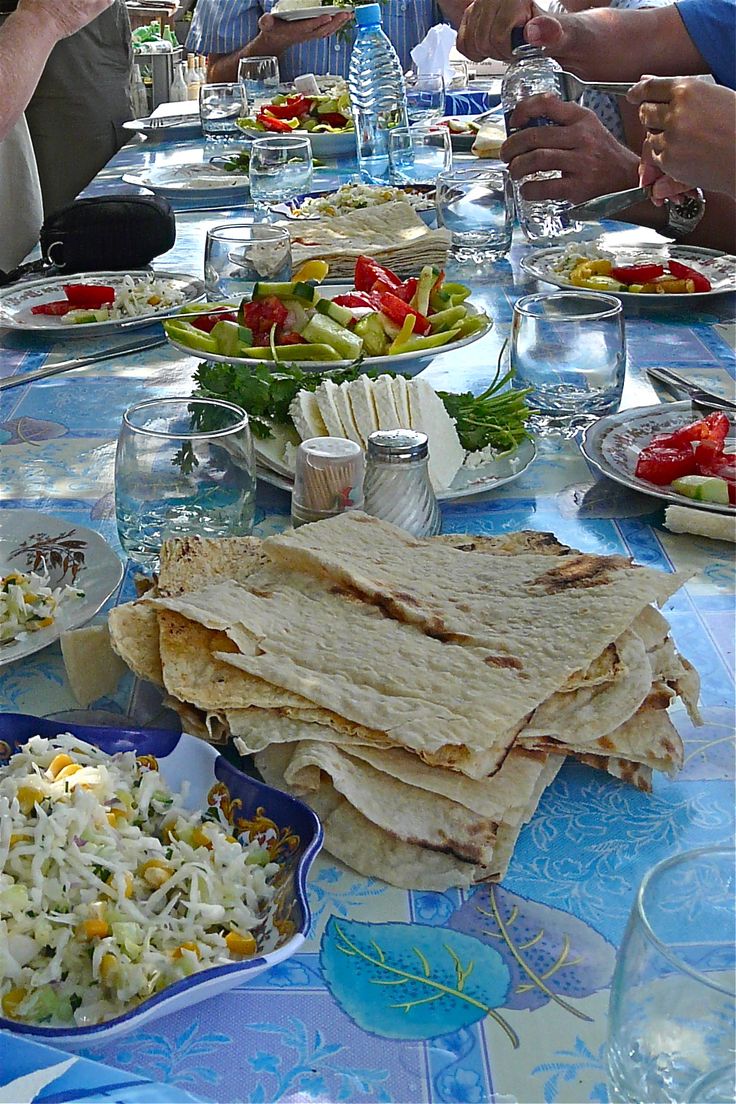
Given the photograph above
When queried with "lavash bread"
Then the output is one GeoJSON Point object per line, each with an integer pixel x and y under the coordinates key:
{"type": "Point", "coordinates": [404, 688]}
{"type": "Point", "coordinates": [489, 139]}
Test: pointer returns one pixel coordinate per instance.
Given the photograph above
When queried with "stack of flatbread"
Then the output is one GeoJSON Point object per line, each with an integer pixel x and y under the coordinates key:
{"type": "Point", "coordinates": [419, 694]}
{"type": "Point", "coordinates": [392, 233]}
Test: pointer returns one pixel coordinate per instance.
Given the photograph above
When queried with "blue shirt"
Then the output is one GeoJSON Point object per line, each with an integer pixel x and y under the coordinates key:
{"type": "Point", "coordinates": [711, 25]}
{"type": "Point", "coordinates": [222, 26]}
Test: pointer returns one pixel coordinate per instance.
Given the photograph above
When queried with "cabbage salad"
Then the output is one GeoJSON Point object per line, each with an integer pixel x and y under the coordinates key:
{"type": "Point", "coordinates": [133, 299]}
{"type": "Point", "coordinates": [28, 603]}
{"type": "Point", "coordinates": [109, 889]}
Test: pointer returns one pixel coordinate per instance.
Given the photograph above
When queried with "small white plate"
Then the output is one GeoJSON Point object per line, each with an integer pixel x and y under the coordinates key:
{"type": "Point", "coordinates": [191, 181]}
{"type": "Point", "coordinates": [468, 481]}
{"type": "Point", "coordinates": [718, 267]}
{"type": "Point", "coordinates": [612, 444]}
{"type": "Point", "coordinates": [290, 209]}
{"type": "Point", "coordinates": [72, 555]}
{"type": "Point", "coordinates": [310, 13]}
{"type": "Point", "coordinates": [17, 300]}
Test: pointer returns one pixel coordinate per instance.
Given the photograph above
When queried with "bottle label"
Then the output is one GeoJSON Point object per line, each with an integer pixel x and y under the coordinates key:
{"type": "Point", "coordinates": [539, 121]}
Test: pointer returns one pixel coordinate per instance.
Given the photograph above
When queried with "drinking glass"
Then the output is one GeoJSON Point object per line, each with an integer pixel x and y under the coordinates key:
{"type": "Point", "coordinates": [418, 155]}
{"type": "Point", "coordinates": [477, 206]}
{"type": "Point", "coordinates": [259, 77]}
{"type": "Point", "coordinates": [220, 107]}
{"type": "Point", "coordinates": [182, 467]}
{"type": "Point", "coordinates": [280, 169]}
{"type": "Point", "coordinates": [425, 98]}
{"type": "Point", "coordinates": [570, 348]}
{"type": "Point", "coordinates": [672, 1006]}
{"type": "Point", "coordinates": [238, 254]}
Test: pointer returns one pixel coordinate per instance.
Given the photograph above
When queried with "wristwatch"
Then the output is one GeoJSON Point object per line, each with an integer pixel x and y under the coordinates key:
{"type": "Point", "coordinates": [683, 217]}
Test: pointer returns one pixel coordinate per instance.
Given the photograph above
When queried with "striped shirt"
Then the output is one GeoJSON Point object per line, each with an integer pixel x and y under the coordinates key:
{"type": "Point", "coordinates": [223, 26]}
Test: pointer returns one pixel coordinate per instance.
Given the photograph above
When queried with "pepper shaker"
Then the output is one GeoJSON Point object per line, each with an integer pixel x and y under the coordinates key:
{"type": "Point", "coordinates": [397, 486]}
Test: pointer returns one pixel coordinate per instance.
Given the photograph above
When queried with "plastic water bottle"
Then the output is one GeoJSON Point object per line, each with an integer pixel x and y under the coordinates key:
{"type": "Point", "coordinates": [377, 93]}
{"type": "Point", "coordinates": [532, 73]}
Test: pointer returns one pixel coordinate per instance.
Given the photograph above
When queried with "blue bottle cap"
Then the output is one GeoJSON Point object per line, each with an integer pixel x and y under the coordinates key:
{"type": "Point", "coordinates": [367, 15]}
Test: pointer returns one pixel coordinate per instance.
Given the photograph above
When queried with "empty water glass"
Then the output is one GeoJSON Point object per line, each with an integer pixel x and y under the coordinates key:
{"type": "Point", "coordinates": [259, 77]}
{"type": "Point", "coordinates": [220, 107]}
{"type": "Point", "coordinates": [182, 467]}
{"type": "Point", "coordinates": [477, 206]}
{"type": "Point", "coordinates": [673, 1001]}
{"type": "Point", "coordinates": [425, 98]}
{"type": "Point", "coordinates": [570, 348]}
{"type": "Point", "coordinates": [280, 169]}
{"type": "Point", "coordinates": [238, 254]}
{"type": "Point", "coordinates": [418, 155]}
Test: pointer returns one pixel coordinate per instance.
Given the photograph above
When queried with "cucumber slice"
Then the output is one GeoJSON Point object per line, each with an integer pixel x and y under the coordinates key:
{"type": "Point", "coordinates": [326, 331]}
{"type": "Point", "coordinates": [281, 291]}
{"type": "Point", "coordinates": [343, 315]}
{"type": "Point", "coordinates": [702, 488]}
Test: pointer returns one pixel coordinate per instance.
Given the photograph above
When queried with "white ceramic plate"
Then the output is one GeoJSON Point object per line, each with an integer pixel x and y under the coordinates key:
{"type": "Point", "coordinates": [468, 481]}
{"type": "Point", "coordinates": [254, 810]}
{"type": "Point", "coordinates": [324, 145]}
{"type": "Point", "coordinates": [72, 554]}
{"type": "Point", "coordinates": [180, 131]}
{"type": "Point", "coordinates": [461, 143]}
{"type": "Point", "coordinates": [613, 444]}
{"type": "Point", "coordinates": [291, 209]}
{"type": "Point", "coordinates": [310, 13]}
{"type": "Point", "coordinates": [17, 300]}
{"type": "Point", "coordinates": [403, 359]}
{"type": "Point", "coordinates": [191, 181]}
{"type": "Point", "coordinates": [719, 268]}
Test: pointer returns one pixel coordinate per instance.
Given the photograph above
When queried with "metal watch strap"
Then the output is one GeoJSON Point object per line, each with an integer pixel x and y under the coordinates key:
{"type": "Point", "coordinates": [683, 217]}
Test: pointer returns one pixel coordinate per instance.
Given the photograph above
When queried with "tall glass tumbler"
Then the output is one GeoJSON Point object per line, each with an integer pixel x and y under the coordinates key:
{"type": "Point", "coordinates": [418, 155]}
{"type": "Point", "coordinates": [425, 97]}
{"type": "Point", "coordinates": [570, 348]}
{"type": "Point", "coordinates": [259, 77]}
{"type": "Point", "coordinates": [671, 1034]}
{"type": "Point", "coordinates": [239, 254]}
{"type": "Point", "coordinates": [220, 107]}
{"type": "Point", "coordinates": [477, 206]}
{"type": "Point", "coordinates": [182, 467]}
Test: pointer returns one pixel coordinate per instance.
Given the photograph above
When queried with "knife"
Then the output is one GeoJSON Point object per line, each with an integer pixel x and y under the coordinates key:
{"type": "Point", "coordinates": [80, 362]}
{"type": "Point", "coordinates": [673, 379]}
{"type": "Point", "coordinates": [603, 206]}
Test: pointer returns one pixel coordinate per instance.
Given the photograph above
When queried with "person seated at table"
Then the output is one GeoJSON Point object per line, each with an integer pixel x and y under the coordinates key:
{"type": "Point", "coordinates": [228, 30]}
{"type": "Point", "coordinates": [27, 37]}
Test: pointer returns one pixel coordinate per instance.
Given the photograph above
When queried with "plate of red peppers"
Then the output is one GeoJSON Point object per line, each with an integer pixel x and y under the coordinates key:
{"type": "Point", "coordinates": [670, 453]}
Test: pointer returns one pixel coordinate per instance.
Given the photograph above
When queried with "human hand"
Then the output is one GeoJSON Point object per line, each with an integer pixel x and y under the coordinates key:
{"type": "Point", "coordinates": [486, 28]}
{"type": "Point", "coordinates": [590, 159]}
{"type": "Point", "coordinates": [64, 18]}
{"type": "Point", "coordinates": [276, 35]}
{"type": "Point", "coordinates": [689, 142]}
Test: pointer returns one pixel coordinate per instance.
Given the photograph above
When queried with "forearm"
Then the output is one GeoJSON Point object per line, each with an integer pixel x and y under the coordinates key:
{"type": "Point", "coordinates": [716, 229]}
{"type": "Point", "coordinates": [655, 41]}
{"type": "Point", "coordinates": [25, 44]}
{"type": "Point", "coordinates": [453, 10]}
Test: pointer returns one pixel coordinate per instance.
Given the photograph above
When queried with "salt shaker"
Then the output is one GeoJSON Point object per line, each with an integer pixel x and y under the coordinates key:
{"type": "Point", "coordinates": [397, 486]}
{"type": "Point", "coordinates": [328, 479]}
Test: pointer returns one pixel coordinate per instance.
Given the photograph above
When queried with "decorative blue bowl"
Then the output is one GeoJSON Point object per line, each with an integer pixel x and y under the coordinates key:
{"type": "Point", "coordinates": [291, 829]}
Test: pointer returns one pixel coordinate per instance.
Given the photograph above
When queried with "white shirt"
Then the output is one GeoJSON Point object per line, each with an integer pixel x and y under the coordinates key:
{"type": "Point", "coordinates": [21, 209]}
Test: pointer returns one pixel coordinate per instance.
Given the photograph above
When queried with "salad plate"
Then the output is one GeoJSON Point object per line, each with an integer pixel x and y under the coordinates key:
{"type": "Point", "coordinates": [174, 289]}
{"type": "Point", "coordinates": [192, 181]}
{"type": "Point", "coordinates": [613, 443]}
{"type": "Point", "coordinates": [470, 480]}
{"type": "Point", "coordinates": [325, 144]}
{"type": "Point", "coordinates": [71, 555]}
{"type": "Point", "coordinates": [280, 823]}
{"type": "Point", "coordinates": [299, 116]}
{"type": "Point", "coordinates": [552, 266]}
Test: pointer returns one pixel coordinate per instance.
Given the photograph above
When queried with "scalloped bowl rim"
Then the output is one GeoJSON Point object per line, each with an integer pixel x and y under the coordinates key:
{"type": "Point", "coordinates": [216, 979]}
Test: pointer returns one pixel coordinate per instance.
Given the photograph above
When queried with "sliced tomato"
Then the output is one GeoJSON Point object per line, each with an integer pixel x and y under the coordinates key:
{"type": "Point", "coordinates": [332, 118]}
{"type": "Point", "coordinates": [261, 315]}
{"type": "Point", "coordinates": [684, 272]}
{"type": "Point", "coordinates": [714, 427]}
{"type": "Point", "coordinates": [367, 271]}
{"type": "Point", "coordinates": [406, 290]}
{"type": "Point", "coordinates": [89, 296]}
{"type": "Point", "coordinates": [207, 322]}
{"type": "Point", "coordinates": [637, 274]}
{"type": "Point", "coordinates": [712, 460]}
{"type": "Point", "coordinates": [291, 339]}
{"type": "Point", "coordinates": [661, 465]}
{"type": "Point", "coordinates": [397, 311]}
{"type": "Point", "coordinates": [370, 299]}
{"type": "Point", "coordinates": [61, 306]}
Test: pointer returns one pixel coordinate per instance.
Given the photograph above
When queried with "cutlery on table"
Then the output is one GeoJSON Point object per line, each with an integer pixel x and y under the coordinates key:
{"type": "Point", "coordinates": [78, 362]}
{"type": "Point", "coordinates": [572, 86]}
{"type": "Point", "coordinates": [184, 314]}
{"type": "Point", "coordinates": [700, 396]}
{"type": "Point", "coordinates": [603, 206]}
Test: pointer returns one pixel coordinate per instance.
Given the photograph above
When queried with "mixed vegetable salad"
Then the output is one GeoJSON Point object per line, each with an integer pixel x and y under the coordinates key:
{"type": "Point", "coordinates": [28, 603]}
{"type": "Point", "coordinates": [381, 316]}
{"type": "Point", "coordinates": [102, 303]}
{"type": "Point", "coordinates": [323, 114]}
{"type": "Point", "coordinates": [357, 197]}
{"type": "Point", "coordinates": [693, 461]}
{"type": "Point", "coordinates": [603, 274]}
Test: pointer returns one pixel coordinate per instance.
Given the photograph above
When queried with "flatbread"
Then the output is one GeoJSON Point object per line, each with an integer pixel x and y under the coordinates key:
{"type": "Point", "coordinates": [188, 563]}
{"type": "Point", "coordinates": [134, 636]}
{"type": "Point", "coordinates": [684, 519]}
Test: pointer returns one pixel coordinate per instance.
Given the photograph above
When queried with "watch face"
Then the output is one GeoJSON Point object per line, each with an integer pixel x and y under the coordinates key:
{"type": "Point", "coordinates": [683, 217]}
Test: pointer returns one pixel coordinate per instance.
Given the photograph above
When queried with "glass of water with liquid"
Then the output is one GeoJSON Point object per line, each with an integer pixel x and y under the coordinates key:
{"type": "Point", "coordinates": [259, 77]}
{"type": "Point", "coordinates": [239, 254]}
{"type": "Point", "coordinates": [183, 467]}
{"type": "Point", "coordinates": [280, 169]}
{"type": "Point", "coordinates": [220, 107]}
{"type": "Point", "coordinates": [477, 206]}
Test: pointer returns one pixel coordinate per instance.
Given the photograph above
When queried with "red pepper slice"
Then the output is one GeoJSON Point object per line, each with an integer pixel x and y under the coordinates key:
{"type": "Point", "coordinates": [714, 427]}
{"type": "Point", "coordinates": [405, 292]}
{"type": "Point", "coordinates": [89, 296]}
{"type": "Point", "coordinates": [637, 274]}
{"type": "Point", "coordinates": [270, 122]}
{"type": "Point", "coordinates": [367, 271]}
{"type": "Point", "coordinates": [662, 465]}
{"type": "Point", "coordinates": [397, 310]}
{"type": "Point", "coordinates": [292, 109]}
{"type": "Point", "coordinates": [61, 306]}
{"type": "Point", "coordinates": [207, 322]}
{"type": "Point", "coordinates": [358, 299]}
{"type": "Point", "coordinates": [331, 118]}
{"type": "Point", "coordinates": [684, 272]}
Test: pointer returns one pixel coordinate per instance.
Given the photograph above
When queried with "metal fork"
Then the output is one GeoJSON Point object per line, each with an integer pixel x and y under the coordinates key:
{"type": "Point", "coordinates": [572, 86]}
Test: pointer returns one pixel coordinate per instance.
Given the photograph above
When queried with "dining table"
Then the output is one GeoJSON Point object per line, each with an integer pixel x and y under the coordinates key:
{"type": "Point", "coordinates": [294, 1033]}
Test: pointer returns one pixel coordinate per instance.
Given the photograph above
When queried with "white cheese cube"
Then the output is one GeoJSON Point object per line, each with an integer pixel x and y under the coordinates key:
{"type": "Point", "coordinates": [383, 396]}
{"type": "Point", "coordinates": [360, 393]}
{"type": "Point", "coordinates": [401, 398]}
{"type": "Point", "coordinates": [306, 417]}
{"type": "Point", "coordinates": [327, 408]}
{"type": "Point", "coordinates": [429, 415]}
{"type": "Point", "coordinates": [342, 402]}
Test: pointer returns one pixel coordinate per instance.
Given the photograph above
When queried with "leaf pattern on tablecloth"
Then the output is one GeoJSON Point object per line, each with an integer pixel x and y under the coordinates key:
{"type": "Point", "coordinates": [29, 431]}
{"type": "Point", "coordinates": [568, 1068]}
{"type": "Point", "coordinates": [407, 981]}
{"type": "Point", "coordinates": [551, 955]}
